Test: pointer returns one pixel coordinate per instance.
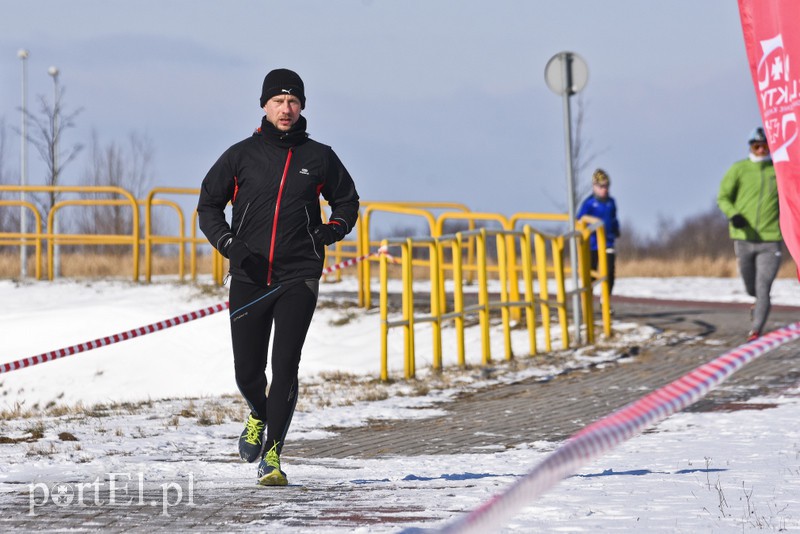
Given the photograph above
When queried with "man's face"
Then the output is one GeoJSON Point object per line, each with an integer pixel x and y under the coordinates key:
{"type": "Point", "coordinates": [759, 149]}
{"type": "Point", "coordinates": [283, 111]}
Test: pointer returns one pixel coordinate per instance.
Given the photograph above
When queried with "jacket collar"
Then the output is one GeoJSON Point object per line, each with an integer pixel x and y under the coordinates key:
{"type": "Point", "coordinates": [295, 136]}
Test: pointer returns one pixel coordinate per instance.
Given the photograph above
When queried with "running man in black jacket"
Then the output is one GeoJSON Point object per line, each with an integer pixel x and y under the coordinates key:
{"type": "Point", "coordinates": [276, 246]}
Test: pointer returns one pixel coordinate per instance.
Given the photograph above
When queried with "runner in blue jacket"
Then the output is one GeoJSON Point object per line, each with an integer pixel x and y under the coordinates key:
{"type": "Point", "coordinates": [601, 205]}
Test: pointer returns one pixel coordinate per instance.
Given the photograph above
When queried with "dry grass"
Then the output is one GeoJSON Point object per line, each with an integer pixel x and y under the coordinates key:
{"type": "Point", "coordinates": [53, 409]}
{"type": "Point", "coordinates": [94, 265]}
{"type": "Point", "coordinates": [720, 267]}
{"type": "Point", "coordinates": [109, 265]}
{"type": "Point", "coordinates": [217, 412]}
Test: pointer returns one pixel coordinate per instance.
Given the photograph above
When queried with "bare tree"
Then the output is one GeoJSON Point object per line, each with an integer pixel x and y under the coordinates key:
{"type": "Point", "coordinates": [582, 153]}
{"type": "Point", "coordinates": [47, 135]}
{"type": "Point", "coordinates": [126, 166]}
{"type": "Point", "coordinates": [582, 156]}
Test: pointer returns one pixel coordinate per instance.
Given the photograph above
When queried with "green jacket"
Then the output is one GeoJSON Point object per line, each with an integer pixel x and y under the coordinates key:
{"type": "Point", "coordinates": [750, 189]}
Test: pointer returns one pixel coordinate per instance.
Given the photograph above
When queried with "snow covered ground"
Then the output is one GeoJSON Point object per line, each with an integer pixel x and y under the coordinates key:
{"type": "Point", "coordinates": [711, 472]}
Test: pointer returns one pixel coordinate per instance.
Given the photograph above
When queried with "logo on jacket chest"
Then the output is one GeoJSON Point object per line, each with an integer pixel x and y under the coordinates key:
{"type": "Point", "coordinates": [304, 171]}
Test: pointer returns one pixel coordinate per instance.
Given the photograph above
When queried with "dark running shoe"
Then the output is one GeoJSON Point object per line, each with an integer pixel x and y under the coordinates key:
{"type": "Point", "coordinates": [269, 470]}
{"type": "Point", "coordinates": [251, 442]}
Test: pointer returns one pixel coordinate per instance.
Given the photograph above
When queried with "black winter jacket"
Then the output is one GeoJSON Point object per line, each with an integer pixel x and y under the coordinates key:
{"type": "Point", "coordinates": [274, 183]}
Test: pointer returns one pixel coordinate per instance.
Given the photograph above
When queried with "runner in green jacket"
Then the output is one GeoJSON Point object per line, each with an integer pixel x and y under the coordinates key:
{"type": "Point", "coordinates": [748, 196]}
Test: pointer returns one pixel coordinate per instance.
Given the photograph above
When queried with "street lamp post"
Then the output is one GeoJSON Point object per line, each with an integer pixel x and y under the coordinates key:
{"type": "Point", "coordinates": [53, 71]}
{"type": "Point", "coordinates": [22, 54]}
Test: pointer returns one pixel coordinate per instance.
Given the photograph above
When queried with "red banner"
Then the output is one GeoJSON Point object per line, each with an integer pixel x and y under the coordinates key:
{"type": "Point", "coordinates": [772, 40]}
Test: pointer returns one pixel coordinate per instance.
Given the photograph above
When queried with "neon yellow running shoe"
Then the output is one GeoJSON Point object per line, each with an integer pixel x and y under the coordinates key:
{"type": "Point", "coordinates": [269, 470]}
{"type": "Point", "coordinates": [251, 442]}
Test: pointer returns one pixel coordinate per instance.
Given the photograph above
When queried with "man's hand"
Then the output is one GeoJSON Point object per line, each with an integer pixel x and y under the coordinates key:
{"type": "Point", "coordinates": [235, 250]}
{"type": "Point", "coordinates": [738, 221]}
{"type": "Point", "coordinates": [256, 267]}
{"type": "Point", "coordinates": [328, 234]}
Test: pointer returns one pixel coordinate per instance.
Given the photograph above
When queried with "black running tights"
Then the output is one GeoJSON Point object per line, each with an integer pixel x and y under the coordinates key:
{"type": "Point", "coordinates": [253, 311]}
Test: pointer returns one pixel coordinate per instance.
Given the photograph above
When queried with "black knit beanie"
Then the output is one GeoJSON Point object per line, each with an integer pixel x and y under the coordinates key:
{"type": "Point", "coordinates": [283, 81]}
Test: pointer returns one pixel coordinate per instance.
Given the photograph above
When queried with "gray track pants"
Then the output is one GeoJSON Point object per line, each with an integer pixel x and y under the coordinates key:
{"type": "Point", "coordinates": [758, 265]}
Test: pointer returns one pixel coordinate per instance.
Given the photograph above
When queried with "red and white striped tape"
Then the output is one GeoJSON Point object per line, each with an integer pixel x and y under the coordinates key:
{"type": "Point", "coordinates": [149, 329]}
{"type": "Point", "coordinates": [614, 429]}
{"type": "Point", "coordinates": [353, 261]}
{"type": "Point", "coordinates": [109, 340]}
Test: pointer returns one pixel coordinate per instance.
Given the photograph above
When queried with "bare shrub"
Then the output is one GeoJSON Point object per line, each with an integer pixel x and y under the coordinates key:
{"type": "Point", "coordinates": [701, 235]}
{"type": "Point", "coordinates": [67, 436]}
{"type": "Point", "coordinates": [125, 165]}
{"type": "Point", "coordinates": [698, 246]}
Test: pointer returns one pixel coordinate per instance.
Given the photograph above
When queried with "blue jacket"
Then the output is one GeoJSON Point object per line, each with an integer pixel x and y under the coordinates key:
{"type": "Point", "coordinates": [605, 210]}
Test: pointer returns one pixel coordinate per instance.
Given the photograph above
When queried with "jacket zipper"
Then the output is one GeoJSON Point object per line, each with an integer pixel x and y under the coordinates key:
{"type": "Point", "coordinates": [760, 196]}
{"type": "Point", "coordinates": [275, 217]}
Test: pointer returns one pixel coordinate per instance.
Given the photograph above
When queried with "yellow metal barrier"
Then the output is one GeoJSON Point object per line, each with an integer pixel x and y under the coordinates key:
{"type": "Point", "coordinates": [113, 239]}
{"type": "Point", "coordinates": [527, 273]}
{"type": "Point", "coordinates": [471, 218]}
{"type": "Point", "coordinates": [365, 289]}
{"type": "Point", "coordinates": [150, 239]}
{"type": "Point", "coordinates": [413, 208]}
{"type": "Point", "coordinates": [217, 260]}
{"type": "Point", "coordinates": [532, 243]}
{"type": "Point", "coordinates": [407, 321]}
{"type": "Point", "coordinates": [540, 246]}
{"type": "Point", "coordinates": [344, 249]}
{"type": "Point", "coordinates": [585, 288]}
{"type": "Point", "coordinates": [12, 239]}
{"type": "Point", "coordinates": [458, 297]}
{"type": "Point", "coordinates": [508, 224]}
{"type": "Point", "coordinates": [536, 268]}
{"type": "Point", "coordinates": [94, 239]}
{"type": "Point", "coordinates": [588, 225]}
{"type": "Point", "coordinates": [53, 239]}
{"type": "Point", "coordinates": [529, 217]}
{"type": "Point", "coordinates": [507, 302]}
{"type": "Point", "coordinates": [117, 239]}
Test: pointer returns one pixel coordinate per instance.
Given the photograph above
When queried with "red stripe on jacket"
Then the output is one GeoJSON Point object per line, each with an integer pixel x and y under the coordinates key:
{"type": "Point", "coordinates": [275, 217]}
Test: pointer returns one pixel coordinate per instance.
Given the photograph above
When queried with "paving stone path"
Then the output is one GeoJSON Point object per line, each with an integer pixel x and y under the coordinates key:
{"type": "Point", "coordinates": [534, 409]}
{"type": "Point", "coordinates": [554, 409]}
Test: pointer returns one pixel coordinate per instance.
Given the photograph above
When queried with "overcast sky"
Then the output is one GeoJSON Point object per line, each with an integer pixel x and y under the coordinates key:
{"type": "Point", "coordinates": [422, 100]}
